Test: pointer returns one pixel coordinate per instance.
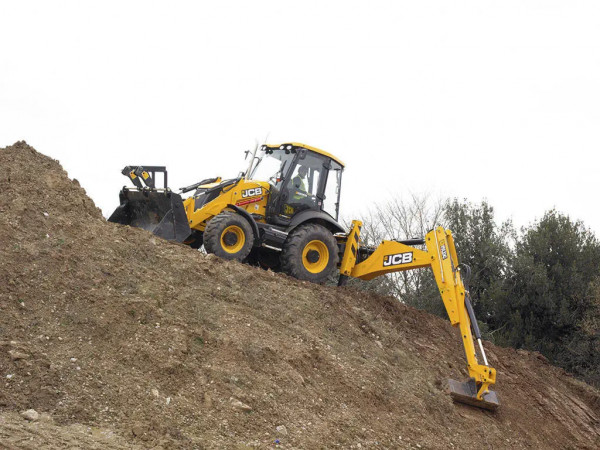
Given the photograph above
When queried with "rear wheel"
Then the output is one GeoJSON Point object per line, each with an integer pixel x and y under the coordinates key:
{"type": "Point", "coordinates": [229, 236]}
{"type": "Point", "coordinates": [310, 253]}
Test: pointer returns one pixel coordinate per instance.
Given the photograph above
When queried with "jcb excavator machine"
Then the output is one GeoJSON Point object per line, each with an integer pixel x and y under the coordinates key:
{"type": "Point", "coordinates": [289, 223]}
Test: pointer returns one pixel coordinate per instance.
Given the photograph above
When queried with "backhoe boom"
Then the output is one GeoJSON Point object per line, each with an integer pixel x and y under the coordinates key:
{"type": "Point", "coordinates": [441, 257]}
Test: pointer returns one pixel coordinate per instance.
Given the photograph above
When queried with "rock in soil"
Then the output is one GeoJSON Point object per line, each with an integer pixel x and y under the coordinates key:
{"type": "Point", "coordinates": [31, 415]}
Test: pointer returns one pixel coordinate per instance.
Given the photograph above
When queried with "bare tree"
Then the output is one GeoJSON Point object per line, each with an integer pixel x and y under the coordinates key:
{"type": "Point", "coordinates": [398, 219]}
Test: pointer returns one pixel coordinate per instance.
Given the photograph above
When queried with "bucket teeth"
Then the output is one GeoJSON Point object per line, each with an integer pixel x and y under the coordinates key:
{"type": "Point", "coordinates": [467, 393]}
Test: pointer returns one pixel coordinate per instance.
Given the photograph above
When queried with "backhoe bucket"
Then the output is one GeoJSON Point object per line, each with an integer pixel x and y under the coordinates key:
{"type": "Point", "coordinates": [467, 393]}
{"type": "Point", "coordinates": [162, 213]}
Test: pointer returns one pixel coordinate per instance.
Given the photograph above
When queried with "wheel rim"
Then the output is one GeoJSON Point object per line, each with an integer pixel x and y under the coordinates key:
{"type": "Point", "coordinates": [233, 239]}
{"type": "Point", "coordinates": [315, 256]}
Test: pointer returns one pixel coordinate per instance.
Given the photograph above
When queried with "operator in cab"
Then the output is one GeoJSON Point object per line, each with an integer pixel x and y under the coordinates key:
{"type": "Point", "coordinates": [299, 180]}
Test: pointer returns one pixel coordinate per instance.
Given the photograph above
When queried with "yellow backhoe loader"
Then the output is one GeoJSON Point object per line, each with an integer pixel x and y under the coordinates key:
{"type": "Point", "coordinates": [282, 213]}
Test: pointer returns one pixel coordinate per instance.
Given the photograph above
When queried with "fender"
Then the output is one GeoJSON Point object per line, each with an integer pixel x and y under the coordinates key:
{"type": "Point", "coordinates": [246, 215]}
{"type": "Point", "coordinates": [318, 217]}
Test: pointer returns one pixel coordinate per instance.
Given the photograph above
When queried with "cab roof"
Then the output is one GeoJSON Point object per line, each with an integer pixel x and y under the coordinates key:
{"type": "Point", "coordinates": [307, 147]}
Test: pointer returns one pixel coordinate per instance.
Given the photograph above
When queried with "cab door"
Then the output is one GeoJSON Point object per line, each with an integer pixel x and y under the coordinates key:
{"type": "Point", "coordinates": [303, 187]}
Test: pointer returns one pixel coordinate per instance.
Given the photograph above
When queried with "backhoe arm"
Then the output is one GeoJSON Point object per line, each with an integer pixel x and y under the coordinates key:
{"type": "Point", "coordinates": [394, 256]}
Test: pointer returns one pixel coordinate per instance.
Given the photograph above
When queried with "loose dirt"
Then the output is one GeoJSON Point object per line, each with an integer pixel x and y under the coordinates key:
{"type": "Point", "coordinates": [122, 340]}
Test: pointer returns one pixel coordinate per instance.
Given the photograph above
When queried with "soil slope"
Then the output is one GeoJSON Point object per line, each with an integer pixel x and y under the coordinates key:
{"type": "Point", "coordinates": [120, 339]}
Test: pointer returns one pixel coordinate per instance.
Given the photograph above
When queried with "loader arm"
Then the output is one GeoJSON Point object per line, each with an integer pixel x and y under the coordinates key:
{"type": "Point", "coordinates": [441, 257]}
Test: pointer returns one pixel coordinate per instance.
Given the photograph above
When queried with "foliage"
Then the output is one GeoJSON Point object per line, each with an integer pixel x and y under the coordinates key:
{"type": "Point", "coordinates": [551, 299]}
{"type": "Point", "coordinates": [485, 248]}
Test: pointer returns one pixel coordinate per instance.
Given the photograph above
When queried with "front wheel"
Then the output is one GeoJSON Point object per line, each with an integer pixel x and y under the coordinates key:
{"type": "Point", "coordinates": [229, 236]}
{"type": "Point", "coordinates": [310, 253]}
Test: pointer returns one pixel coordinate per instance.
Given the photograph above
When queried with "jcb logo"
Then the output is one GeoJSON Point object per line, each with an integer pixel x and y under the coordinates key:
{"type": "Point", "coordinates": [397, 259]}
{"type": "Point", "coordinates": [443, 251]}
{"type": "Point", "coordinates": [252, 192]}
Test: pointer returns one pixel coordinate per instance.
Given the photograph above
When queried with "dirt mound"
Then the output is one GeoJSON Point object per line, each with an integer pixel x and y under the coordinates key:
{"type": "Point", "coordinates": [124, 340]}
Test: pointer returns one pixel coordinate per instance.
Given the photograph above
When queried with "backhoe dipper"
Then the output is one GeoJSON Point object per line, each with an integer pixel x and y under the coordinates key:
{"type": "Point", "coordinates": [282, 213]}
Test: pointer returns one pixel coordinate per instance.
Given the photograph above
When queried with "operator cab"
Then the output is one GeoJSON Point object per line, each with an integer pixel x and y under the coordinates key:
{"type": "Point", "coordinates": [301, 177]}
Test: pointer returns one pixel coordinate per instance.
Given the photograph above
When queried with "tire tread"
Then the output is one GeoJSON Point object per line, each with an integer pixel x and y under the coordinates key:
{"type": "Point", "coordinates": [214, 228]}
{"type": "Point", "coordinates": [291, 258]}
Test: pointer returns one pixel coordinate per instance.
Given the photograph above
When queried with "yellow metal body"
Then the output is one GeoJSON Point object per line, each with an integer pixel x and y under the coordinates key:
{"type": "Point", "coordinates": [308, 147]}
{"type": "Point", "coordinates": [441, 257]}
{"type": "Point", "coordinates": [247, 194]}
{"type": "Point", "coordinates": [251, 195]}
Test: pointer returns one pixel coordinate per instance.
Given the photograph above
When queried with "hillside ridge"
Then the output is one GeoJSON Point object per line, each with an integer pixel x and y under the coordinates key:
{"type": "Point", "coordinates": [122, 339]}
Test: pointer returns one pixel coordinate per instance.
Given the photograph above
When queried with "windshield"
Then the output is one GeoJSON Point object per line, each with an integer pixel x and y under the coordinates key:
{"type": "Point", "coordinates": [271, 165]}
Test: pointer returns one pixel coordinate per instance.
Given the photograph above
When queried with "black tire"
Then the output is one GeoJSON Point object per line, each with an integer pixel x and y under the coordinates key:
{"type": "Point", "coordinates": [229, 236]}
{"type": "Point", "coordinates": [310, 253]}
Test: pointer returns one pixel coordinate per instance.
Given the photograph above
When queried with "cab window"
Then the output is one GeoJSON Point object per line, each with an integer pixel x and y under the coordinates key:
{"type": "Point", "coordinates": [303, 185]}
{"type": "Point", "coordinates": [332, 190]}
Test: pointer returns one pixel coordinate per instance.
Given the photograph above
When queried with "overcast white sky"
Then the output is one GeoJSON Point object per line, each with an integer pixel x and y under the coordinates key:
{"type": "Point", "coordinates": [480, 99]}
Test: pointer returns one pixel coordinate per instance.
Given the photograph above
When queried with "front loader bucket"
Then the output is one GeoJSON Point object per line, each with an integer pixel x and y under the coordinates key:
{"type": "Point", "coordinates": [467, 393]}
{"type": "Point", "coordinates": [162, 213]}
